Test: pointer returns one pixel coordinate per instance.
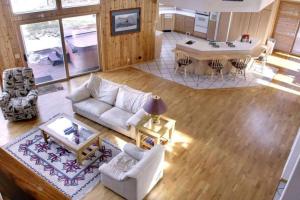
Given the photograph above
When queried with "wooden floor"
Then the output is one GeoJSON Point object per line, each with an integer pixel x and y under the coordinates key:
{"type": "Point", "coordinates": [230, 144]}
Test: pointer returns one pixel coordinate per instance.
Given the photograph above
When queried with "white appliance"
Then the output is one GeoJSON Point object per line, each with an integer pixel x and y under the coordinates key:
{"type": "Point", "coordinates": [201, 22]}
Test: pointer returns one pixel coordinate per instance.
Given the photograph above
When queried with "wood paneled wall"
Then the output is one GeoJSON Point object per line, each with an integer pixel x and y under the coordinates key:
{"type": "Point", "coordinates": [8, 39]}
{"type": "Point", "coordinates": [130, 48]}
{"type": "Point", "coordinates": [224, 22]}
{"type": "Point", "coordinates": [255, 24]}
{"type": "Point", "coordinates": [116, 51]}
{"type": "Point", "coordinates": [287, 26]}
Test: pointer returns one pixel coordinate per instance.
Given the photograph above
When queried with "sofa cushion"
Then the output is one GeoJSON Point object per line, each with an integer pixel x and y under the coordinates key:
{"type": "Point", "coordinates": [130, 99]}
{"type": "Point", "coordinates": [108, 92]}
{"type": "Point", "coordinates": [133, 151]}
{"type": "Point", "coordinates": [92, 107]}
{"type": "Point", "coordinates": [116, 117]}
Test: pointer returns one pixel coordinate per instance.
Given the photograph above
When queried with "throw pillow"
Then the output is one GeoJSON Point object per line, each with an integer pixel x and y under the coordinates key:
{"type": "Point", "coordinates": [108, 92]}
{"type": "Point", "coordinates": [93, 85]}
{"type": "Point", "coordinates": [131, 100]}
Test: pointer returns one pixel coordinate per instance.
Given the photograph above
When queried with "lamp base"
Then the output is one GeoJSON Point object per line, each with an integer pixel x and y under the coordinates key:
{"type": "Point", "coordinates": [155, 119]}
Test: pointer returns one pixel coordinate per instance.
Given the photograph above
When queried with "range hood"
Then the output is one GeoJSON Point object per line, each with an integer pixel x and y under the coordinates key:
{"type": "Point", "coordinates": [220, 5]}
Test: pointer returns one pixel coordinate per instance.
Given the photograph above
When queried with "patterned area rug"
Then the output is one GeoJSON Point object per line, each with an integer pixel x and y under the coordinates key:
{"type": "Point", "coordinates": [58, 166]}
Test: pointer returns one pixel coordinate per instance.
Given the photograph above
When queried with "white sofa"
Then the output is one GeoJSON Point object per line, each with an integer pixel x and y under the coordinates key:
{"type": "Point", "coordinates": [115, 106]}
{"type": "Point", "coordinates": [134, 172]}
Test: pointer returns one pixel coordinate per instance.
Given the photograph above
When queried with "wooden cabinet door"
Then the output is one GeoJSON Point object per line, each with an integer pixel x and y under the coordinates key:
{"type": "Point", "coordinates": [179, 23]}
{"type": "Point", "coordinates": [168, 21]}
{"type": "Point", "coordinates": [189, 24]}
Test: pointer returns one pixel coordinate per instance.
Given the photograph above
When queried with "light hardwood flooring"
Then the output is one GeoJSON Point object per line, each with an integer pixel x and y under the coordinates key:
{"type": "Point", "coordinates": [230, 144]}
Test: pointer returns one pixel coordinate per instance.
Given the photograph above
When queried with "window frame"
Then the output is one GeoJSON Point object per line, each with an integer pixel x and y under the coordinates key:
{"type": "Point", "coordinates": [57, 9]}
{"type": "Point", "coordinates": [58, 14]}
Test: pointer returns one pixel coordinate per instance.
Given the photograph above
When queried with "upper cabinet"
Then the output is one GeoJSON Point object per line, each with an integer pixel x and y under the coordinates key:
{"type": "Point", "coordinates": [220, 5]}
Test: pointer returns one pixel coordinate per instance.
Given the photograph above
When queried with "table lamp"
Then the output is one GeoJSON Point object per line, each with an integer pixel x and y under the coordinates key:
{"type": "Point", "coordinates": [155, 106]}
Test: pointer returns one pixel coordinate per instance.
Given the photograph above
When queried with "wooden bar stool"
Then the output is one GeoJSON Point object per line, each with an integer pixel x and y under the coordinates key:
{"type": "Point", "coordinates": [240, 66]}
{"type": "Point", "coordinates": [182, 61]}
{"type": "Point", "coordinates": [216, 68]}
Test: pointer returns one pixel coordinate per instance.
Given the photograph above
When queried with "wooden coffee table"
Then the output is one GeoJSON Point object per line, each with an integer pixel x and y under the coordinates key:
{"type": "Point", "coordinates": [80, 140]}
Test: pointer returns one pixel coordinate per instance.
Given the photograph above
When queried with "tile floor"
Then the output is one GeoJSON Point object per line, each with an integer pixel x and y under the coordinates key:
{"type": "Point", "coordinates": [164, 68]}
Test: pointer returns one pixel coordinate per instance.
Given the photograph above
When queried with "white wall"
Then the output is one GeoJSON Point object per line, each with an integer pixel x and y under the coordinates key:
{"type": "Point", "coordinates": [220, 5]}
{"type": "Point", "coordinates": [291, 162]}
{"type": "Point", "coordinates": [292, 190]}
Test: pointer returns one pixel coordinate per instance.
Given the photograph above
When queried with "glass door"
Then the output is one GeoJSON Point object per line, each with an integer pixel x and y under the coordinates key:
{"type": "Point", "coordinates": [81, 44]}
{"type": "Point", "coordinates": [43, 49]}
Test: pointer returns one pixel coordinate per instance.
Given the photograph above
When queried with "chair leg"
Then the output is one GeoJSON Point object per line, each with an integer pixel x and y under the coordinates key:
{"type": "Point", "coordinates": [212, 75]}
{"type": "Point", "coordinates": [236, 71]}
{"type": "Point", "coordinates": [176, 69]}
{"type": "Point", "coordinates": [221, 72]}
{"type": "Point", "coordinates": [185, 72]}
{"type": "Point", "coordinates": [245, 74]}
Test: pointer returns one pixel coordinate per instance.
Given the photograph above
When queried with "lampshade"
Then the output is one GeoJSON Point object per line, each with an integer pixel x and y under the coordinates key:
{"type": "Point", "coordinates": [155, 106]}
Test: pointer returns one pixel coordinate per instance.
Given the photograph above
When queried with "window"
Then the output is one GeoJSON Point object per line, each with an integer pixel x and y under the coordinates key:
{"type": "Point", "coordinates": [28, 6]}
{"type": "Point", "coordinates": [77, 3]}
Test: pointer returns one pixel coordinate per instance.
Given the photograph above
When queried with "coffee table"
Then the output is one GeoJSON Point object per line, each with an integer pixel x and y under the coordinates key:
{"type": "Point", "coordinates": [73, 135]}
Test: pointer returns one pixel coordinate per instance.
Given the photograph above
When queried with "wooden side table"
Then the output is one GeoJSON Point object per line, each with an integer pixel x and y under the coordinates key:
{"type": "Point", "coordinates": [146, 130]}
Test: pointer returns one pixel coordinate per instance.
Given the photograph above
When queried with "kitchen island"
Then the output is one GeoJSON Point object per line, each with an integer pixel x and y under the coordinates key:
{"type": "Point", "coordinates": [202, 51]}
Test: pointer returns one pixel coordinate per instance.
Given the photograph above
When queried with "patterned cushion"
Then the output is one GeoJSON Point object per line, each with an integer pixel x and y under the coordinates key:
{"type": "Point", "coordinates": [184, 62]}
{"type": "Point", "coordinates": [19, 99]}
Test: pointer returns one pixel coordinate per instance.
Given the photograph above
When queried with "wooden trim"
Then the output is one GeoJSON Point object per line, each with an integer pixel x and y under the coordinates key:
{"type": "Point", "coordinates": [63, 43]}
{"type": "Point", "coordinates": [98, 29]}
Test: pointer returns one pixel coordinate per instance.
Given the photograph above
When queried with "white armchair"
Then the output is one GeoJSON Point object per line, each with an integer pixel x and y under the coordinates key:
{"type": "Point", "coordinates": [134, 172]}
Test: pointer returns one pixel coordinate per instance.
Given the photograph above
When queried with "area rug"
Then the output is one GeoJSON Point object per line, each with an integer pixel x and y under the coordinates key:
{"type": "Point", "coordinates": [50, 89]}
{"type": "Point", "coordinates": [58, 166]}
{"type": "Point", "coordinates": [254, 75]}
{"type": "Point", "coordinates": [43, 79]}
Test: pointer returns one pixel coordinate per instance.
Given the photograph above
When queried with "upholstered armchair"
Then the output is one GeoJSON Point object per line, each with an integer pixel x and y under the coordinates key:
{"type": "Point", "coordinates": [18, 100]}
{"type": "Point", "coordinates": [134, 172]}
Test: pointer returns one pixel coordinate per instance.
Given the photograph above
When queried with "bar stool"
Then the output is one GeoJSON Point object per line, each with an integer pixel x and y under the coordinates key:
{"type": "Point", "coordinates": [240, 66]}
{"type": "Point", "coordinates": [216, 68]}
{"type": "Point", "coordinates": [182, 61]}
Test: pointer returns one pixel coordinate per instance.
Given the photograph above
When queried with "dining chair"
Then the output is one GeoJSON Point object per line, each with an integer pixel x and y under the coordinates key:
{"type": "Point", "coordinates": [240, 66]}
{"type": "Point", "coordinates": [216, 67]}
{"type": "Point", "coordinates": [182, 61]}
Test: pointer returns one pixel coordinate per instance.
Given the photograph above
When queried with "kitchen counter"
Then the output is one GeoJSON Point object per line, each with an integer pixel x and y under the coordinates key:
{"type": "Point", "coordinates": [179, 12]}
{"type": "Point", "coordinates": [202, 47]}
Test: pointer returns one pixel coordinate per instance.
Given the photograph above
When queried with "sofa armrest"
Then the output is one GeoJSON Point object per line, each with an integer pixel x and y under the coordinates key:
{"type": "Point", "coordinates": [107, 170]}
{"type": "Point", "coordinates": [151, 163]}
{"type": "Point", "coordinates": [133, 151]}
{"type": "Point", "coordinates": [32, 96]}
{"type": "Point", "coordinates": [79, 94]}
{"type": "Point", "coordinates": [4, 98]}
{"type": "Point", "coordinates": [136, 118]}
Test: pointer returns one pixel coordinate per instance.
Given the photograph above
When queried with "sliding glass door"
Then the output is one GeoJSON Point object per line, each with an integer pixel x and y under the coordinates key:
{"type": "Point", "coordinates": [81, 42]}
{"type": "Point", "coordinates": [43, 50]}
